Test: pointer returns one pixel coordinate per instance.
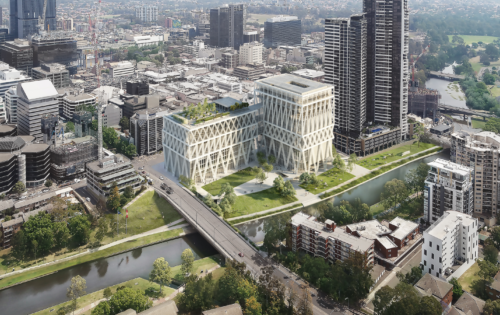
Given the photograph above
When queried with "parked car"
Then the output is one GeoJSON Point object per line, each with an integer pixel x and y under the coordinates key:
{"type": "Point", "coordinates": [241, 255]}
{"type": "Point", "coordinates": [161, 177]}
{"type": "Point", "coordinates": [46, 190]}
{"type": "Point", "coordinates": [88, 199]}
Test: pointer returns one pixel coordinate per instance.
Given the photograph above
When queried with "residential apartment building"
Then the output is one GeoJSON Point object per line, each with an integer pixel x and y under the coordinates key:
{"type": "Point", "coordinates": [345, 69]}
{"type": "Point", "coordinates": [452, 237]}
{"type": "Point", "coordinates": [146, 128]}
{"type": "Point", "coordinates": [326, 240]}
{"type": "Point", "coordinates": [36, 99]}
{"type": "Point", "coordinates": [448, 186]}
{"type": "Point", "coordinates": [121, 69]}
{"type": "Point", "coordinates": [202, 151]}
{"type": "Point", "coordinates": [115, 169]}
{"type": "Point", "coordinates": [298, 121]}
{"type": "Point", "coordinates": [56, 73]}
{"type": "Point", "coordinates": [227, 25]}
{"type": "Point", "coordinates": [282, 31]}
{"type": "Point", "coordinates": [146, 13]}
{"type": "Point", "coordinates": [251, 53]}
{"type": "Point", "coordinates": [229, 60]}
{"type": "Point", "coordinates": [480, 152]}
{"type": "Point", "coordinates": [387, 62]}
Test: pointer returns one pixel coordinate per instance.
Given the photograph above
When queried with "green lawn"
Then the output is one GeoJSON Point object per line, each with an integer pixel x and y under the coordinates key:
{"type": "Point", "coordinates": [332, 177]}
{"type": "Point", "coordinates": [495, 91]}
{"type": "Point", "coordinates": [259, 201]}
{"type": "Point", "coordinates": [217, 273]}
{"type": "Point", "coordinates": [468, 277]}
{"type": "Point", "coordinates": [88, 257]}
{"type": "Point", "coordinates": [373, 161]}
{"type": "Point", "coordinates": [377, 208]}
{"type": "Point", "coordinates": [469, 39]}
{"type": "Point", "coordinates": [234, 180]}
{"type": "Point", "coordinates": [478, 123]}
{"type": "Point", "coordinates": [199, 265]}
{"type": "Point", "coordinates": [137, 283]}
{"type": "Point", "coordinates": [147, 213]}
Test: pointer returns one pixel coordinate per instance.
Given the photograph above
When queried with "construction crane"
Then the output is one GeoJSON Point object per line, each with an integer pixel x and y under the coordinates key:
{"type": "Point", "coordinates": [41, 19]}
{"type": "Point", "coordinates": [94, 28]}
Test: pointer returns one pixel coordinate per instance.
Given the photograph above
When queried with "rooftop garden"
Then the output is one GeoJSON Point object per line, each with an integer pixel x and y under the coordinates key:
{"type": "Point", "coordinates": [203, 112]}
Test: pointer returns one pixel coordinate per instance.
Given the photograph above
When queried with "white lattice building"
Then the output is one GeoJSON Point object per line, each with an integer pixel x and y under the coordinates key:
{"type": "Point", "coordinates": [298, 121]}
{"type": "Point", "coordinates": [201, 151]}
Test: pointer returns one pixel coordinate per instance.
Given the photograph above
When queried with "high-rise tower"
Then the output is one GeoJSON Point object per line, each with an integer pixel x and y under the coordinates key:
{"type": "Point", "coordinates": [387, 63]}
{"type": "Point", "coordinates": [227, 25]}
{"type": "Point", "coordinates": [24, 16]}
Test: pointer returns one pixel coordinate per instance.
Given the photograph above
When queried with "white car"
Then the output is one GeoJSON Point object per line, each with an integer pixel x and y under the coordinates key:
{"type": "Point", "coordinates": [88, 199]}
{"type": "Point", "coordinates": [161, 177]}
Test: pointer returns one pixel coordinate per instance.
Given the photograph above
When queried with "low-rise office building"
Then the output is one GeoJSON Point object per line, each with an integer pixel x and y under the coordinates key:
{"type": "Point", "coordinates": [326, 240]}
{"type": "Point", "coordinates": [448, 186]}
{"type": "Point", "coordinates": [71, 102]}
{"type": "Point", "coordinates": [453, 237]}
{"type": "Point", "coordinates": [55, 72]}
{"type": "Point", "coordinates": [121, 69]}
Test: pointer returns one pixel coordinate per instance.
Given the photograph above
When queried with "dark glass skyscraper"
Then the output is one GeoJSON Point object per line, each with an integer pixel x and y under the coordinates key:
{"type": "Point", "coordinates": [227, 25]}
{"type": "Point", "coordinates": [282, 31]}
{"type": "Point", "coordinates": [24, 17]}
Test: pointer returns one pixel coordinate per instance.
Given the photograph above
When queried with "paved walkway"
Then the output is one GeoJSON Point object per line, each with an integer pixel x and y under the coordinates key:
{"type": "Point", "coordinates": [161, 229]}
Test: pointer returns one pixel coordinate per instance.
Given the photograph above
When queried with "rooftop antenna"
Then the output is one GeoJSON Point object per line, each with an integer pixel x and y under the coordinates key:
{"type": "Point", "coordinates": [100, 95]}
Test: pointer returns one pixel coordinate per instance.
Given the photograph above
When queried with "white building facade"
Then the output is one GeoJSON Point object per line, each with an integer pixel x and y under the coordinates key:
{"type": "Point", "coordinates": [9, 77]}
{"type": "Point", "coordinates": [121, 69]}
{"type": "Point", "coordinates": [146, 13]}
{"type": "Point", "coordinates": [453, 237]}
{"type": "Point", "coordinates": [448, 186]}
{"type": "Point", "coordinates": [251, 53]}
{"type": "Point", "coordinates": [203, 151]}
{"type": "Point", "coordinates": [11, 104]}
{"type": "Point", "coordinates": [298, 121]}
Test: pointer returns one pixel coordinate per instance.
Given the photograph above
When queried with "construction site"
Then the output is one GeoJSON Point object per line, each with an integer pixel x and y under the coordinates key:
{"type": "Point", "coordinates": [68, 160]}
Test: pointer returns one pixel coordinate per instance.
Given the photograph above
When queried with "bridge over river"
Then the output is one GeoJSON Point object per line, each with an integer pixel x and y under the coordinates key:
{"type": "Point", "coordinates": [446, 76]}
{"type": "Point", "coordinates": [447, 109]}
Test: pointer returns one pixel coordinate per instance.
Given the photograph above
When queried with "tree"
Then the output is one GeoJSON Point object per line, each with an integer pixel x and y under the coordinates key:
{"type": "Point", "coordinates": [48, 183]}
{"type": "Point", "coordinates": [267, 167]}
{"type": "Point", "coordinates": [185, 181]}
{"type": "Point", "coordinates": [495, 237]}
{"type": "Point", "coordinates": [107, 293]}
{"type": "Point", "coordinates": [490, 253]}
{"type": "Point", "coordinates": [279, 183]}
{"type": "Point", "coordinates": [70, 127]}
{"type": "Point", "coordinates": [338, 162]}
{"type": "Point", "coordinates": [276, 231]}
{"type": "Point", "coordinates": [79, 228]}
{"type": "Point", "coordinates": [271, 159]}
{"type": "Point", "coordinates": [489, 79]}
{"type": "Point", "coordinates": [304, 306]}
{"type": "Point", "coordinates": [288, 190]}
{"type": "Point", "coordinates": [76, 289]}
{"type": "Point", "coordinates": [403, 299]}
{"type": "Point", "coordinates": [61, 234]}
{"type": "Point", "coordinates": [492, 307]}
{"type": "Point", "coordinates": [457, 289]}
{"type": "Point", "coordinates": [113, 202]}
{"type": "Point", "coordinates": [187, 258]}
{"type": "Point", "coordinates": [411, 277]}
{"type": "Point", "coordinates": [487, 270]}
{"type": "Point", "coordinates": [128, 298]}
{"type": "Point", "coordinates": [124, 123]}
{"type": "Point", "coordinates": [129, 192]}
{"type": "Point", "coordinates": [19, 245]}
{"type": "Point", "coordinates": [198, 294]}
{"type": "Point", "coordinates": [161, 272]}
{"type": "Point", "coordinates": [430, 306]}
{"type": "Point", "coordinates": [418, 132]}
{"type": "Point", "coordinates": [102, 308]}
{"type": "Point", "coordinates": [261, 157]}
{"type": "Point", "coordinates": [39, 233]}
{"type": "Point", "coordinates": [18, 188]}
{"type": "Point", "coordinates": [351, 161]}
{"type": "Point", "coordinates": [252, 306]}
{"type": "Point", "coordinates": [7, 218]}
{"type": "Point", "coordinates": [304, 178]}
{"type": "Point", "coordinates": [394, 192]}
{"type": "Point", "coordinates": [102, 229]}
{"type": "Point", "coordinates": [227, 190]}
{"type": "Point", "coordinates": [260, 177]}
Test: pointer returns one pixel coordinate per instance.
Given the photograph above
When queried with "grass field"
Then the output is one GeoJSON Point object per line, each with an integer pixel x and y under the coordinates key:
{"type": "Point", "coordinates": [259, 201]}
{"type": "Point", "coordinates": [476, 65]}
{"type": "Point", "coordinates": [88, 257]}
{"type": "Point", "coordinates": [333, 178]}
{"type": "Point", "coordinates": [495, 91]}
{"type": "Point", "coordinates": [199, 265]}
{"type": "Point", "coordinates": [261, 18]}
{"type": "Point", "coordinates": [478, 123]}
{"type": "Point", "coordinates": [469, 39]}
{"type": "Point", "coordinates": [137, 283]}
{"type": "Point", "coordinates": [234, 180]}
{"type": "Point", "coordinates": [377, 208]}
{"type": "Point", "coordinates": [147, 213]}
{"type": "Point", "coordinates": [468, 277]}
{"type": "Point", "coordinates": [374, 161]}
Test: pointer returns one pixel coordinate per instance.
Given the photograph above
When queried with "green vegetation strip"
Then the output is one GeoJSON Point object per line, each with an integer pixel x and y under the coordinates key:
{"type": "Point", "coordinates": [41, 271]}
{"type": "Point", "coordinates": [376, 173]}
{"type": "Point", "coordinates": [259, 201]}
{"type": "Point", "coordinates": [391, 155]}
{"type": "Point", "coordinates": [332, 178]}
{"type": "Point", "coordinates": [235, 179]}
{"type": "Point", "coordinates": [295, 206]}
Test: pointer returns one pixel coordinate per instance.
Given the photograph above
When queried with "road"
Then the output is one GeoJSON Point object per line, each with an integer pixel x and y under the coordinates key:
{"type": "Point", "coordinates": [226, 237]}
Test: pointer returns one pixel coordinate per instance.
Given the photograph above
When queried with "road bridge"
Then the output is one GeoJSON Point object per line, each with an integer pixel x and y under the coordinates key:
{"type": "Point", "coordinates": [446, 76]}
{"type": "Point", "coordinates": [230, 244]}
{"type": "Point", "coordinates": [447, 109]}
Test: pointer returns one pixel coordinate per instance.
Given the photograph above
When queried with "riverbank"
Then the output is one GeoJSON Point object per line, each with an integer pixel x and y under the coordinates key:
{"type": "Point", "coordinates": [28, 275]}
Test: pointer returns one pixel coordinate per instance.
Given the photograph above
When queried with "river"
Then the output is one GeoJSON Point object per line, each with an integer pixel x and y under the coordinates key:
{"type": "Point", "coordinates": [450, 94]}
{"type": "Point", "coordinates": [50, 290]}
{"type": "Point", "coordinates": [369, 193]}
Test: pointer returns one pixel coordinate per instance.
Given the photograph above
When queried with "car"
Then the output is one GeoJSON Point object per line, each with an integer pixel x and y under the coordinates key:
{"type": "Point", "coordinates": [241, 255]}
{"type": "Point", "coordinates": [88, 199]}
{"type": "Point", "coordinates": [285, 277]}
{"type": "Point", "coordinates": [46, 190]}
{"type": "Point", "coordinates": [22, 197]}
{"type": "Point", "coordinates": [161, 177]}
{"type": "Point", "coordinates": [77, 180]}
{"type": "Point", "coordinates": [313, 295]}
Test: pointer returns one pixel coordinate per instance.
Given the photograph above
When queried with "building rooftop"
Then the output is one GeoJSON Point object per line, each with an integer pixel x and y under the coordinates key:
{"type": "Point", "coordinates": [38, 89]}
{"type": "Point", "coordinates": [448, 221]}
{"type": "Point", "coordinates": [405, 227]}
{"type": "Point", "coordinates": [80, 97]}
{"type": "Point", "coordinates": [370, 229]}
{"type": "Point", "coordinates": [108, 164]}
{"type": "Point", "coordinates": [281, 18]}
{"type": "Point", "coordinates": [451, 167]}
{"type": "Point", "coordinates": [233, 309]}
{"type": "Point", "coordinates": [430, 285]}
{"type": "Point", "coordinates": [309, 73]}
{"type": "Point", "coordinates": [34, 148]}
{"type": "Point", "coordinates": [469, 304]}
{"type": "Point", "coordinates": [294, 84]}
{"type": "Point", "coordinates": [226, 102]}
{"type": "Point", "coordinates": [357, 243]}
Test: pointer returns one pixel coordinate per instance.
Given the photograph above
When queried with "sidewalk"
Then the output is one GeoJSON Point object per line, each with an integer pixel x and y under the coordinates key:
{"type": "Point", "coordinates": [161, 229]}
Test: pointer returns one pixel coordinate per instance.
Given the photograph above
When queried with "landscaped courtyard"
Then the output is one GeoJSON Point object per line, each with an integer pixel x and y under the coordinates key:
{"type": "Point", "coordinates": [373, 161]}
{"type": "Point", "coordinates": [259, 201]}
{"type": "Point", "coordinates": [332, 178]}
{"type": "Point", "coordinates": [235, 179]}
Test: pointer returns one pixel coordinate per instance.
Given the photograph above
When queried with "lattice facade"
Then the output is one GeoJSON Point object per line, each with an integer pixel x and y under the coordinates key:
{"type": "Point", "coordinates": [298, 121]}
{"type": "Point", "coordinates": [202, 151]}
